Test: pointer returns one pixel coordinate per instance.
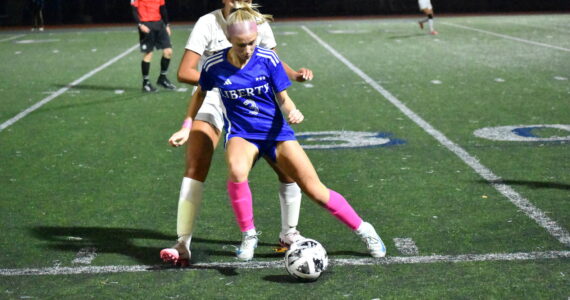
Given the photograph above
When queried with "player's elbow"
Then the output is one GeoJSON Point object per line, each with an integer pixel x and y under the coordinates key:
{"type": "Point", "coordinates": [183, 76]}
{"type": "Point", "coordinates": [180, 76]}
{"type": "Point", "coordinates": [187, 76]}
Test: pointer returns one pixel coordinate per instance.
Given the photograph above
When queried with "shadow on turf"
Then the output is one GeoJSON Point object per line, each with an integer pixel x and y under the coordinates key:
{"type": "Point", "coordinates": [122, 241]}
{"type": "Point", "coordinates": [532, 184]}
{"type": "Point", "coordinates": [105, 240]}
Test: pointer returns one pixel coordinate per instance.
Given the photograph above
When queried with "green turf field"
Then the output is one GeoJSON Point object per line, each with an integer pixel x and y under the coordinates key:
{"type": "Point", "coordinates": [89, 186]}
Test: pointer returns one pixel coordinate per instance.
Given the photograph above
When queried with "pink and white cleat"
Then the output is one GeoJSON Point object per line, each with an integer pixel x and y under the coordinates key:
{"type": "Point", "coordinates": [178, 255]}
{"type": "Point", "coordinates": [286, 239]}
{"type": "Point", "coordinates": [434, 32]}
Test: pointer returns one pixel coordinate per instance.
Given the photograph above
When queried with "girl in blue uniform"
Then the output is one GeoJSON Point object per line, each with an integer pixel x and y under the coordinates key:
{"type": "Point", "coordinates": [258, 111]}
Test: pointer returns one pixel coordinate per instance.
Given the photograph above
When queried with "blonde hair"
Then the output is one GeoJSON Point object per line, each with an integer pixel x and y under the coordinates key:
{"type": "Point", "coordinates": [247, 12]}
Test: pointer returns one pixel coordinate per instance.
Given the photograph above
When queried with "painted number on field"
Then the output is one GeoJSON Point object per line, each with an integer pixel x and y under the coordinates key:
{"type": "Point", "coordinates": [345, 139]}
{"type": "Point", "coordinates": [526, 133]}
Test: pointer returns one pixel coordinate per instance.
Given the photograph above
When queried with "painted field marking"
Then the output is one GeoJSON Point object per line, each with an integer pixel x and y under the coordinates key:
{"type": "Point", "coordinates": [39, 104]}
{"type": "Point", "coordinates": [406, 246]}
{"type": "Point", "coordinates": [519, 201]}
{"type": "Point", "coordinates": [506, 36]}
{"type": "Point", "coordinates": [537, 26]}
{"type": "Point", "coordinates": [85, 256]}
{"type": "Point", "coordinates": [276, 264]}
{"type": "Point", "coordinates": [12, 38]}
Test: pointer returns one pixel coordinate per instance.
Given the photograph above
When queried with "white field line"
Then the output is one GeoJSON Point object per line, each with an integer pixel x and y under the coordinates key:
{"type": "Point", "coordinates": [506, 36]}
{"type": "Point", "coordinates": [39, 104]}
{"type": "Point", "coordinates": [523, 204]}
{"type": "Point", "coordinates": [539, 27]}
{"type": "Point", "coordinates": [275, 264]}
{"type": "Point", "coordinates": [12, 38]}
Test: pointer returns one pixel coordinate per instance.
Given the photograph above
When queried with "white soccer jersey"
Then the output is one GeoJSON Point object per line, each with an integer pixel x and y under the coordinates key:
{"type": "Point", "coordinates": [424, 4]}
{"type": "Point", "coordinates": [208, 36]}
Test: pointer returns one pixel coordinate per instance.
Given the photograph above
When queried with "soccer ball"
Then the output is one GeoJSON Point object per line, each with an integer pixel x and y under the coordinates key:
{"type": "Point", "coordinates": [306, 259]}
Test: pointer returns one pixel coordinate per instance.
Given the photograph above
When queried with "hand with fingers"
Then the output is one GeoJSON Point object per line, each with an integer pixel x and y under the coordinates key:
{"type": "Point", "coordinates": [295, 117]}
{"type": "Point", "coordinates": [304, 74]}
{"type": "Point", "coordinates": [181, 136]}
{"type": "Point", "coordinates": [144, 28]}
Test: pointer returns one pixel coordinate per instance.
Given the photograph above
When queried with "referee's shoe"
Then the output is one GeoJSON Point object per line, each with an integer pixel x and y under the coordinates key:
{"type": "Point", "coordinates": [147, 87]}
{"type": "Point", "coordinates": [165, 83]}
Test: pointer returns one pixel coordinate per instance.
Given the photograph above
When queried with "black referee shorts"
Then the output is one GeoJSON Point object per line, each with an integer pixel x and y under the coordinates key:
{"type": "Point", "coordinates": [157, 38]}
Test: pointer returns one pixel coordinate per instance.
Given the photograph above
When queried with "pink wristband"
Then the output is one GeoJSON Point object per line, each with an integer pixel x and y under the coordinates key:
{"type": "Point", "coordinates": [187, 124]}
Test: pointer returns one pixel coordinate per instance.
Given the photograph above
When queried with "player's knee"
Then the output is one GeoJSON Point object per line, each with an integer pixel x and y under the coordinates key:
{"type": "Point", "coordinates": [317, 191]}
{"type": "Point", "coordinates": [199, 173]}
{"type": "Point", "coordinates": [238, 172]}
{"type": "Point", "coordinates": [282, 177]}
{"type": "Point", "coordinates": [168, 53]}
{"type": "Point", "coordinates": [147, 57]}
{"type": "Point", "coordinates": [197, 166]}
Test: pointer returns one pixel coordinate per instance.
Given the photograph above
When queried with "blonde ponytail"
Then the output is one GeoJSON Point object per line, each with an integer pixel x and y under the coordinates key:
{"type": "Point", "coordinates": [247, 12]}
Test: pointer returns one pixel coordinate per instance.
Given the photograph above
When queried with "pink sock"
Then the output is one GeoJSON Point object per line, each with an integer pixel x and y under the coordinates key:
{"type": "Point", "coordinates": [242, 204]}
{"type": "Point", "coordinates": [339, 207]}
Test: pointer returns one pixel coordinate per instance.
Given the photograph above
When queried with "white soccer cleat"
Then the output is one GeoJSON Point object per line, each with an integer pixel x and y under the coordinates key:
{"type": "Point", "coordinates": [247, 247]}
{"type": "Point", "coordinates": [372, 240]}
{"type": "Point", "coordinates": [286, 239]}
{"type": "Point", "coordinates": [178, 255]}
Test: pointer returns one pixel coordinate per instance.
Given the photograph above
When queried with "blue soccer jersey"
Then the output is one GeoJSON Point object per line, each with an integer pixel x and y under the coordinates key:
{"type": "Point", "coordinates": [248, 94]}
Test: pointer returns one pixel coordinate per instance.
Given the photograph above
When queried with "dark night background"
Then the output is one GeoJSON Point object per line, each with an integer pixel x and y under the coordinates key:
{"type": "Point", "coordinates": [59, 12]}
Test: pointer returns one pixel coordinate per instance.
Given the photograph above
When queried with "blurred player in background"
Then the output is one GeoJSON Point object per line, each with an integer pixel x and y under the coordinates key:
{"type": "Point", "coordinates": [207, 38]}
{"type": "Point", "coordinates": [154, 32]}
{"type": "Point", "coordinates": [427, 9]}
{"type": "Point", "coordinates": [252, 83]}
{"type": "Point", "coordinates": [38, 18]}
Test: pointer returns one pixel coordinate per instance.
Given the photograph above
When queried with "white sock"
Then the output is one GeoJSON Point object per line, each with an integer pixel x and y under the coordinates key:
{"type": "Point", "coordinates": [290, 200]}
{"type": "Point", "coordinates": [250, 232]}
{"type": "Point", "coordinates": [430, 22]}
{"type": "Point", "coordinates": [188, 207]}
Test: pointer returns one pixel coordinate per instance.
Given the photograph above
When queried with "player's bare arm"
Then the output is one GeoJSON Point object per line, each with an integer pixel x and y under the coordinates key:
{"type": "Point", "coordinates": [187, 72]}
{"type": "Point", "coordinates": [288, 108]}
{"type": "Point", "coordinates": [303, 74]}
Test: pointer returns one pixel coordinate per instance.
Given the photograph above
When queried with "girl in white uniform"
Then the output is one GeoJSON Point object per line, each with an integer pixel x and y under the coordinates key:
{"type": "Point", "coordinates": [208, 37]}
{"type": "Point", "coordinates": [253, 84]}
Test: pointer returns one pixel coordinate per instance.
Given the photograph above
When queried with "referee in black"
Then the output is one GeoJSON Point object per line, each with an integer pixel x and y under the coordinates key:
{"type": "Point", "coordinates": [154, 32]}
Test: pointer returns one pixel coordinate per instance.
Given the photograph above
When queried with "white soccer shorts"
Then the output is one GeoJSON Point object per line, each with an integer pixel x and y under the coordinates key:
{"type": "Point", "coordinates": [212, 109]}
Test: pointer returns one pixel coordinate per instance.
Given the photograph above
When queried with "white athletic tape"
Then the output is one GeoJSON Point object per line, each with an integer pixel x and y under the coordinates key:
{"type": "Point", "coordinates": [523, 204]}
{"type": "Point", "coordinates": [276, 264]}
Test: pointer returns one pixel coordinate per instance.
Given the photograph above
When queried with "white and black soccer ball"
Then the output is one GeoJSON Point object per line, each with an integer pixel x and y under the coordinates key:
{"type": "Point", "coordinates": [306, 259]}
